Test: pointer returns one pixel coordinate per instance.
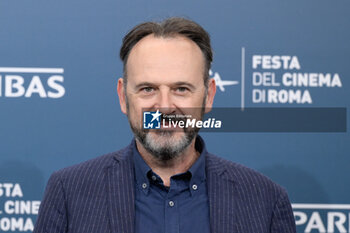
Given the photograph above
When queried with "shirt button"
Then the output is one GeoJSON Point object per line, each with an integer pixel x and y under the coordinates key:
{"type": "Point", "coordinates": [144, 185]}
{"type": "Point", "coordinates": [171, 203]}
{"type": "Point", "coordinates": [194, 187]}
{"type": "Point", "coordinates": [154, 178]}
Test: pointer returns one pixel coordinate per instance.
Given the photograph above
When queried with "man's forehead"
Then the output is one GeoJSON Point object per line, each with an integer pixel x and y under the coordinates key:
{"type": "Point", "coordinates": [169, 55]}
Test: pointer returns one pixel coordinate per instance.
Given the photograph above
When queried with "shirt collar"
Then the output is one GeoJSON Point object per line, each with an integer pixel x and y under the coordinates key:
{"type": "Point", "coordinates": [197, 170]}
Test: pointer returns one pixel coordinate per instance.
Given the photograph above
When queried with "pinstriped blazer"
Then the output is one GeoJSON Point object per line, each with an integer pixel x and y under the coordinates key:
{"type": "Point", "coordinates": [98, 196]}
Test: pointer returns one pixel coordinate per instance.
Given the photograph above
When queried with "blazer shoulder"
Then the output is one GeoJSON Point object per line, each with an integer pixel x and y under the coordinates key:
{"type": "Point", "coordinates": [93, 166]}
{"type": "Point", "coordinates": [245, 177]}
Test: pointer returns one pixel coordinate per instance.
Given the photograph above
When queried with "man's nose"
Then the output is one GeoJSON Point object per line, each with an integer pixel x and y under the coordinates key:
{"type": "Point", "coordinates": [165, 102]}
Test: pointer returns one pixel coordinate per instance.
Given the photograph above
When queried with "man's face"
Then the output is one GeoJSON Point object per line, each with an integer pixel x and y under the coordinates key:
{"type": "Point", "coordinates": [166, 74]}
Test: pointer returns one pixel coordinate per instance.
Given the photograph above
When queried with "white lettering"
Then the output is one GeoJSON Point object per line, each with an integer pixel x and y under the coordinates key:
{"type": "Point", "coordinates": [306, 98]}
{"type": "Point", "coordinates": [35, 86]}
{"type": "Point", "coordinates": [300, 218]}
{"type": "Point", "coordinates": [290, 96]}
{"type": "Point", "coordinates": [52, 82]}
{"type": "Point", "coordinates": [265, 79]}
{"type": "Point", "coordinates": [339, 223]}
{"type": "Point", "coordinates": [21, 207]}
{"type": "Point", "coordinates": [302, 80]}
{"type": "Point", "coordinates": [272, 96]}
{"type": "Point", "coordinates": [287, 79]}
{"type": "Point", "coordinates": [206, 124]}
{"type": "Point", "coordinates": [257, 79]}
{"type": "Point", "coordinates": [190, 123]}
{"type": "Point", "coordinates": [324, 80]}
{"type": "Point", "coordinates": [199, 124]}
{"type": "Point", "coordinates": [14, 82]}
{"type": "Point", "coordinates": [316, 223]}
{"type": "Point", "coordinates": [17, 191]}
{"type": "Point", "coordinates": [28, 226]}
{"type": "Point", "coordinates": [218, 124]}
{"type": "Point", "coordinates": [283, 96]}
{"type": "Point", "coordinates": [10, 190]}
{"type": "Point", "coordinates": [259, 96]}
{"type": "Point", "coordinates": [336, 81]}
{"type": "Point", "coordinates": [16, 224]}
{"type": "Point", "coordinates": [14, 86]}
{"type": "Point", "coordinates": [266, 62]}
{"type": "Point", "coordinates": [256, 61]}
{"type": "Point", "coordinates": [311, 80]}
{"type": "Point", "coordinates": [294, 64]}
{"type": "Point", "coordinates": [181, 124]}
{"type": "Point", "coordinates": [5, 224]}
{"type": "Point", "coordinates": [275, 62]}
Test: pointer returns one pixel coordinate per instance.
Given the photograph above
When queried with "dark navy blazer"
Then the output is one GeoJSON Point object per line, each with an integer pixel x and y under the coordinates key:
{"type": "Point", "coordinates": [98, 196]}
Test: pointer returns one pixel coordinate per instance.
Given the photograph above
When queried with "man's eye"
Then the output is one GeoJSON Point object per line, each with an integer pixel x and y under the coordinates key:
{"type": "Point", "coordinates": [147, 89]}
{"type": "Point", "coordinates": [181, 89]}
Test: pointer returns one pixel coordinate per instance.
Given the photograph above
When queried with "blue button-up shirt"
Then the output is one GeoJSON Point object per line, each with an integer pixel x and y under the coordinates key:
{"type": "Point", "coordinates": [182, 207]}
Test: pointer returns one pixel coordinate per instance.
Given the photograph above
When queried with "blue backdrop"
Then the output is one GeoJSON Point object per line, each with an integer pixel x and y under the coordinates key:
{"type": "Point", "coordinates": [59, 66]}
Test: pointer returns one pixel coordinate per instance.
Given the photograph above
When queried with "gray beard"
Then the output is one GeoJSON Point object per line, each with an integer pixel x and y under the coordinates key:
{"type": "Point", "coordinates": [169, 150]}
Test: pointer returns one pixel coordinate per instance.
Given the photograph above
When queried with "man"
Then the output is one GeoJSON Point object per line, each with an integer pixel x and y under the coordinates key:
{"type": "Point", "coordinates": [165, 181]}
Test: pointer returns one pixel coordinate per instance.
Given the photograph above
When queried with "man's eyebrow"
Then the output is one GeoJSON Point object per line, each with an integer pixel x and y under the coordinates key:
{"type": "Point", "coordinates": [144, 84]}
{"type": "Point", "coordinates": [184, 84]}
{"type": "Point", "coordinates": [147, 84]}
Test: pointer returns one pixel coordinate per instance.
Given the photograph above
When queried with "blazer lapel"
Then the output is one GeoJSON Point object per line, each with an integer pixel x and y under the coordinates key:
{"type": "Point", "coordinates": [120, 191]}
{"type": "Point", "coordinates": [221, 195]}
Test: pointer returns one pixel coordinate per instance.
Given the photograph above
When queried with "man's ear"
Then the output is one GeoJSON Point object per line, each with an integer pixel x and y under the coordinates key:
{"type": "Point", "coordinates": [210, 95]}
{"type": "Point", "coordinates": [121, 95]}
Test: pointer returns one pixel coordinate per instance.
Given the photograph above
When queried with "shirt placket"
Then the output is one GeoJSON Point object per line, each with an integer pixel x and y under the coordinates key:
{"type": "Point", "coordinates": [171, 211]}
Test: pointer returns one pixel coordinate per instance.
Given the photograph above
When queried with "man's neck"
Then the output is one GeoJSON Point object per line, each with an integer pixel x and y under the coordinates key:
{"type": "Point", "coordinates": [166, 169]}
